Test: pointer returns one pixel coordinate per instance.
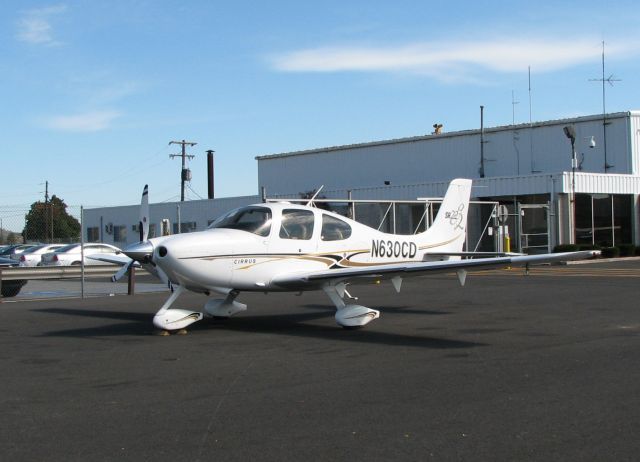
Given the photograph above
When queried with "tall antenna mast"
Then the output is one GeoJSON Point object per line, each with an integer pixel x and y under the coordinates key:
{"type": "Point", "coordinates": [604, 80]}
{"type": "Point", "coordinates": [513, 107]}
{"type": "Point", "coordinates": [533, 168]}
{"type": "Point", "coordinates": [516, 138]}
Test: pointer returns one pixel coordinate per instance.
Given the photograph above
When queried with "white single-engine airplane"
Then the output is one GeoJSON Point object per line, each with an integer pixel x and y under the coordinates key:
{"type": "Point", "coordinates": [281, 247]}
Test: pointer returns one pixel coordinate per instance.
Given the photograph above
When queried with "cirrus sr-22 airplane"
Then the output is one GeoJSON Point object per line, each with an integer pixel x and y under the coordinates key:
{"type": "Point", "coordinates": [281, 247]}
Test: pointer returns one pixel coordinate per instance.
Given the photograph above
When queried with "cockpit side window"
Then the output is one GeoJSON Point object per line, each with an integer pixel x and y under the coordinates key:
{"type": "Point", "coordinates": [334, 229]}
{"type": "Point", "coordinates": [297, 224]}
{"type": "Point", "coordinates": [256, 220]}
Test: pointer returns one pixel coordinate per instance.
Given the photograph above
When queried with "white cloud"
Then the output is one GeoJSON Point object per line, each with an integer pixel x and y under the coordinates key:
{"type": "Point", "coordinates": [35, 25]}
{"type": "Point", "coordinates": [451, 61]}
{"type": "Point", "coordinates": [88, 122]}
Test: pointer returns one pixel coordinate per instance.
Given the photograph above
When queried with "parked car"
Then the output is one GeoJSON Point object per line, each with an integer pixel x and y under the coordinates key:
{"type": "Point", "coordinates": [10, 288]}
{"type": "Point", "coordinates": [33, 256]}
{"type": "Point", "coordinates": [14, 251]}
{"type": "Point", "coordinates": [70, 254]}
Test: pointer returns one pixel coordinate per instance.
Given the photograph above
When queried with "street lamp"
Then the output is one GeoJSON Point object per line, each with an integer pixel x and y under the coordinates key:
{"type": "Point", "coordinates": [570, 133]}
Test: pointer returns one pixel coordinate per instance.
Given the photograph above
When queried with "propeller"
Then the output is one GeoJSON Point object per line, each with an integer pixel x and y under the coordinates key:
{"type": "Point", "coordinates": [140, 252]}
{"type": "Point", "coordinates": [122, 271]}
{"type": "Point", "coordinates": [144, 214]}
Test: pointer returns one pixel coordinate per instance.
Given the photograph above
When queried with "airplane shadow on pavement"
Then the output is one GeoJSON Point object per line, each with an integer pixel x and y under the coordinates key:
{"type": "Point", "coordinates": [294, 324]}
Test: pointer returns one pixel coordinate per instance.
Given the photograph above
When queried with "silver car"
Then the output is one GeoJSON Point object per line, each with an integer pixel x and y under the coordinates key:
{"type": "Point", "coordinates": [14, 251]}
{"type": "Point", "coordinates": [33, 256]}
{"type": "Point", "coordinates": [70, 254]}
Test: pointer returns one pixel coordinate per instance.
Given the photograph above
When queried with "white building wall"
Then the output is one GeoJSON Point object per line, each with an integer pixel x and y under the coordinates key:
{"type": "Point", "coordinates": [200, 211]}
{"type": "Point", "coordinates": [510, 151]}
{"type": "Point", "coordinates": [634, 141]}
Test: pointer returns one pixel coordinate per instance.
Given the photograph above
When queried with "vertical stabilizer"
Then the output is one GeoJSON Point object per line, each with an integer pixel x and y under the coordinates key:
{"type": "Point", "coordinates": [447, 234]}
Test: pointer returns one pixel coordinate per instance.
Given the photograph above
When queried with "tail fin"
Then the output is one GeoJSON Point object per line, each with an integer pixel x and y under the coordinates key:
{"type": "Point", "coordinates": [447, 234]}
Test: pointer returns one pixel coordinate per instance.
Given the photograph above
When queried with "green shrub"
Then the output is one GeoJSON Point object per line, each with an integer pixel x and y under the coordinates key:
{"type": "Point", "coordinates": [627, 250]}
{"type": "Point", "coordinates": [588, 247]}
{"type": "Point", "coordinates": [565, 248]}
{"type": "Point", "coordinates": [610, 252]}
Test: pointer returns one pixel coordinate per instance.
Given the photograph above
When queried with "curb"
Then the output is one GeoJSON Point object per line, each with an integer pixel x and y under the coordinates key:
{"type": "Point", "coordinates": [601, 260]}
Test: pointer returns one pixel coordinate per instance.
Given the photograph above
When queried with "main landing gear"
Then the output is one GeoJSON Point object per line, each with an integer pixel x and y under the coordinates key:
{"type": "Point", "coordinates": [349, 316]}
{"type": "Point", "coordinates": [176, 320]}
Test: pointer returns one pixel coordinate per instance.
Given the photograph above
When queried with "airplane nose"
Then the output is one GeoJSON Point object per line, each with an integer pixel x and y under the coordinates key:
{"type": "Point", "coordinates": [140, 251]}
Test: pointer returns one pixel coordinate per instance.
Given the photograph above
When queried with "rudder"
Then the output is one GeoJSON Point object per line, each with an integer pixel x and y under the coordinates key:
{"type": "Point", "coordinates": [448, 231]}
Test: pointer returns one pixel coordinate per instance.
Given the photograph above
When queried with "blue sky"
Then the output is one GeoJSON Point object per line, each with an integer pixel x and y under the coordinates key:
{"type": "Point", "coordinates": [93, 91]}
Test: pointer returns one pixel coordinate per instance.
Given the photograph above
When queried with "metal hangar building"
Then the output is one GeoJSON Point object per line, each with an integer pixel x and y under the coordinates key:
{"type": "Point", "coordinates": [531, 168]}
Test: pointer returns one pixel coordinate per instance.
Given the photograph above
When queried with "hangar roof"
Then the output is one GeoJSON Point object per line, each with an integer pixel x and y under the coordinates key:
{"type": "Point", "coordinates": [448, 135]}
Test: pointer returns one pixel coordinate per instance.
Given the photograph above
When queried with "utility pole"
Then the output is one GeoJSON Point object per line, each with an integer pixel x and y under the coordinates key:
{"type": "Point", "coordinates": [570, 133]}
{"type": "Point", "coordinates": [185, 173]}
{"type": "Point", "coordinates": [47, 214]}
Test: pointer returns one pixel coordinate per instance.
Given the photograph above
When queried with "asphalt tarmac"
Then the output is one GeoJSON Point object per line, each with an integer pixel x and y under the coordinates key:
{"type": "Point", "coordinates": [544, 367]}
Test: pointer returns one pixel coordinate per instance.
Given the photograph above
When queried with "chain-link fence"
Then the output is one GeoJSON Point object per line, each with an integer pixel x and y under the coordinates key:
{"type": "Point", "coordinates": [57, 223]}
{"type": "Point", "coordinates": [29, 234]}
{"type": "Point", "coordinates": [52, 222]}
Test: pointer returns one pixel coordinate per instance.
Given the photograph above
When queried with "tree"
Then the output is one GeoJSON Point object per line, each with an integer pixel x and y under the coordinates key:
{"type": "Point", "coordinates": [43, 216]}
{"type": "Point", "coordinates": [310, 194]}
{"type": "Point", "coordinates": [14, 238]}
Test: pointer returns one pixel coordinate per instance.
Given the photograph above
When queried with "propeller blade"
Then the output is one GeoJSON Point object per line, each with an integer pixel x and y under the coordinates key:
{"type": "Point", "coordinates": [121, 272]}
{"type": "Point", "coordinates": [144, 214]}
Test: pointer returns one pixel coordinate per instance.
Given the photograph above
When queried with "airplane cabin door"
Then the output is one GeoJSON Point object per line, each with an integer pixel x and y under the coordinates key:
{"type": "Point", "coordinates": [295, 234]}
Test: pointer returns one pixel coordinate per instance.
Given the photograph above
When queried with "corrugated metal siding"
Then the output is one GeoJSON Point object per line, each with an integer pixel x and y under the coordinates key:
{"type": "Point", "coordinates": [558, 183]}
{"type": "Point", "coordinates": [605, 184]}
{"type": "Point", "coordinates": [634, 140]}
{"type": "Point", "coordinates": [509, 152]}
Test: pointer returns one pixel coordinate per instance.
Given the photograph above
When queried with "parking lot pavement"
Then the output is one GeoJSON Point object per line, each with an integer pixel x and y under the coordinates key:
{"type": "Point", "coordinates": [506, 368]}
{"type": "Point", "coordinates": [72, 288]}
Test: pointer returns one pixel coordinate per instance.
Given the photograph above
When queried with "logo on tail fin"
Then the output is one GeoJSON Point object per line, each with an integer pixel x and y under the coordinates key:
{"type": "Point", "coordinates": [456, 217]}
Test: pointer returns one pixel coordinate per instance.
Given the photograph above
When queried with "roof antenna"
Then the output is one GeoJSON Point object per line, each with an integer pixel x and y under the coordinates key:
{"type": "Point", "coordinates": [310, 203]}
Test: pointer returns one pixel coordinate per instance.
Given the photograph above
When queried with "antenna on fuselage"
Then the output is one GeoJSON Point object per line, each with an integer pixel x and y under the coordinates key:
{"type": "Point", "coordinates": [310, 203]}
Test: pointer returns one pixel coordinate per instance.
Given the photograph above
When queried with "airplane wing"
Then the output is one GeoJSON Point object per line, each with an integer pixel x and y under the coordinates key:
{"type": "Point", "coordinates": [390, 271]}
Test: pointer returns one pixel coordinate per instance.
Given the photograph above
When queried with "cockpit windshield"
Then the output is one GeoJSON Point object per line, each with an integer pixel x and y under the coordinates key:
{"type": "Point", "coordinates": [256, 220]}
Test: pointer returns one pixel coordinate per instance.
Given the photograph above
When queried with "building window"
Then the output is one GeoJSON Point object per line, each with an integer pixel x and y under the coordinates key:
{"type": "Point", "coordinates": [119, 233]}
{"type": "Point", "coordinates": [187, 227]}
{"type": "Point", "coordinates": [152, 230]}
{"type": "Point", "coordinates": [93, 234]}
{"type": "Point", "coordinates": [603, 219]}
